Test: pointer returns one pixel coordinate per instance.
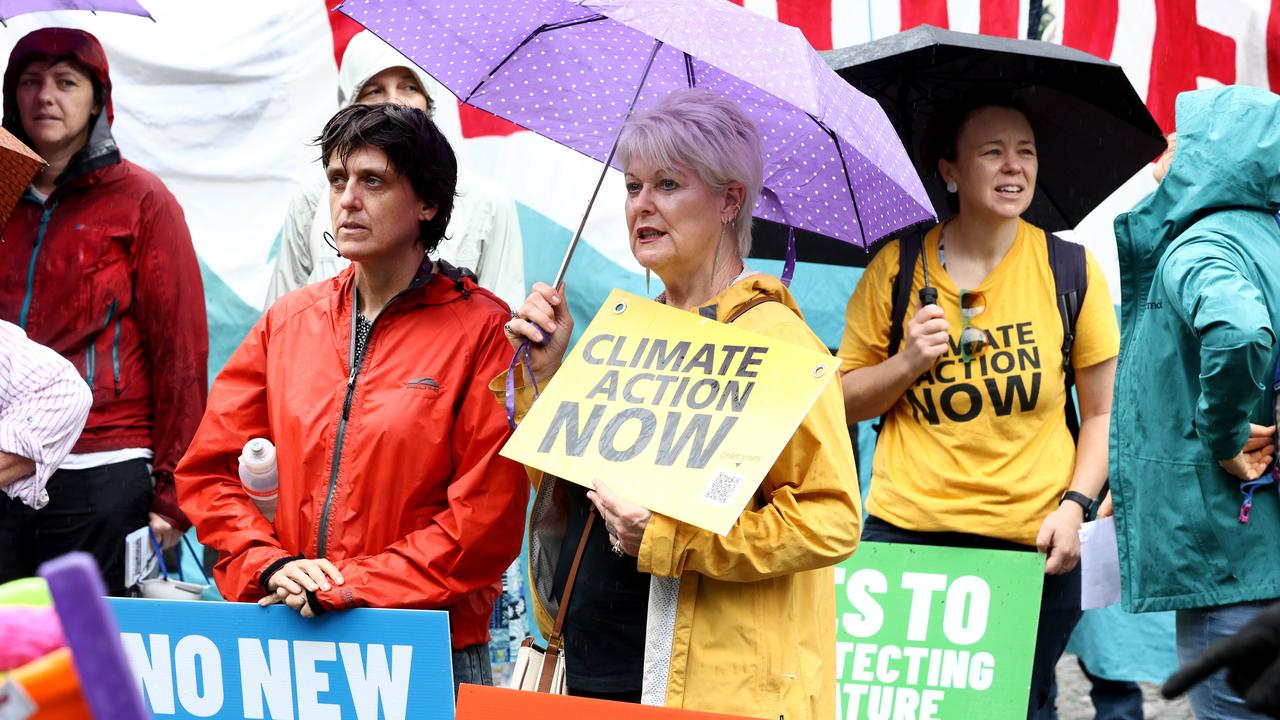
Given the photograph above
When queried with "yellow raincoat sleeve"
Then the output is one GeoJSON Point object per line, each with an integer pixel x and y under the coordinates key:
{"type": "Point", "coordinates": [807, 513]}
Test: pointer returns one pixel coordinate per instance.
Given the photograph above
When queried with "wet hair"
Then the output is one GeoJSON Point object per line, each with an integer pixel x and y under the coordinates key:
{"type": "Point", "coordinates": [414, 146]}
{"type": "Point", "coordinates": [707, 134]}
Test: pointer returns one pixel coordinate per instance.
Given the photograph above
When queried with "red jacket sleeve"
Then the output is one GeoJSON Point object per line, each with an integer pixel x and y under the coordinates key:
{"type": "Point", "coordinates": [170, 309]}
{"type": "Point", "coordinates": [466, 547]}
{"type": "Point", "coordinates": [207, 479]}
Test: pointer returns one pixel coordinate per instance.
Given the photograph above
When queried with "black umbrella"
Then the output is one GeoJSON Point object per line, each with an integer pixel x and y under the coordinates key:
{"type": "Point", "coordinates": [1093, 131]}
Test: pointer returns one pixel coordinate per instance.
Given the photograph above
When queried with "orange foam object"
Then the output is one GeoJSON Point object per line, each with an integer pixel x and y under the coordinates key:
{"type": "Point", "coordinates": [52, 684]}
{"type": "Point", "coordinates": [18, 165]}
{"type": "Point", "coordinates": [476, 702]}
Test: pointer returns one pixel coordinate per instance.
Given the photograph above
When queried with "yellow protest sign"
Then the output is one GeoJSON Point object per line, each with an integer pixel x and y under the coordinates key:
{"type": "Point", "coordinates": [675, 412]}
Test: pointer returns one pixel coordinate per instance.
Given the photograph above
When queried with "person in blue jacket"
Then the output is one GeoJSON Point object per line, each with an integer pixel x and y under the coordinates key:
{"type": "Point", "coordinates": [1193, 417]}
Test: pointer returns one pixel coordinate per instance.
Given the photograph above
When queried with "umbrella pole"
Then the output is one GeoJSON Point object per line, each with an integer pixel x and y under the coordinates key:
{"type": "Point", "coordinates": [573, 243]}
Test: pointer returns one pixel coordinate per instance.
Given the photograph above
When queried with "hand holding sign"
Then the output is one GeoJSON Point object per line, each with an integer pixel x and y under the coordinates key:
{"type": "Point", "coordinates": [682, 414]}
{"type": "Point", "coordinates": [625, 521]}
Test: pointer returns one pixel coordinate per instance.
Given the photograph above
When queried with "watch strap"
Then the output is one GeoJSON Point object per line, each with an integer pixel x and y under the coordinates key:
{"type": "Point", "coordinates": [1084, 501]}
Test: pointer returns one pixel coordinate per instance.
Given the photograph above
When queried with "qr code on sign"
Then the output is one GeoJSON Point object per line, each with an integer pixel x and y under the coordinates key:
{"type": "Point", "coordinates": [722, 488]}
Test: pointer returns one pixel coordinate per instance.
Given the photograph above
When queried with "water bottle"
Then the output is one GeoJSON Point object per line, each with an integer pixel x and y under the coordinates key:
{"type": "Point", "coordinates": [258, 475]}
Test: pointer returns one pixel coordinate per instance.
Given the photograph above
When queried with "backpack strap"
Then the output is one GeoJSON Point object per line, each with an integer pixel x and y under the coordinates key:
{"type": "Point", "coordinates": [909, 246]}
{"type": "Point", "coordinates": [1070, 280]}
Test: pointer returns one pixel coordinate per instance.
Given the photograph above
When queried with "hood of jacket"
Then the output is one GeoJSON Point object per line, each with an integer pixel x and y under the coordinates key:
{"type": "Point", "coordinates": [367, 55]}
{"type": "Point", "coordinates": [750, 288]}
{"type": "Point", "coordinates": [1227, 153]}
{"type": "Point", "coordinates": [78, 45]}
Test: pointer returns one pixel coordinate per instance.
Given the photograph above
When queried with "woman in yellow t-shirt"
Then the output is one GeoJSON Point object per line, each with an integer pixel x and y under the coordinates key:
{"type": "Point", "coordinates": [975, 450]}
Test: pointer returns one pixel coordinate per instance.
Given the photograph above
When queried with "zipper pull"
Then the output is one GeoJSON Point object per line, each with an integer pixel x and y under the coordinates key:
{"type": "Point", "coordinates": [346, 402]}
{"type": "Point", "coordinates": [1245, 508]}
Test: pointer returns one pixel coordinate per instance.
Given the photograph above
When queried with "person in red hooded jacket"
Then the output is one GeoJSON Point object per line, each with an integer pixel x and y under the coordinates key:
{"type": "Point", "coordinates": [98, 265]}
{"type": "Point", "coordinates": [373, 385]}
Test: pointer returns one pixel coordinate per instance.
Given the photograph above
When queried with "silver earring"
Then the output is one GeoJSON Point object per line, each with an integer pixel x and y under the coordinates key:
{"type": "Point", "coordinates": [715, 261]}
{"type": "Point", "coordinates": [952, 187]}
{"type": "Point", "coordinates": [646, 281]}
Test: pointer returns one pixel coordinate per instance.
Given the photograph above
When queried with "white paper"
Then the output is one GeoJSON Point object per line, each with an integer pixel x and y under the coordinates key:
{"type": "Point", "coordinates": [1099, 564]}
{"type": "Point", "coordinates": [137, 555]}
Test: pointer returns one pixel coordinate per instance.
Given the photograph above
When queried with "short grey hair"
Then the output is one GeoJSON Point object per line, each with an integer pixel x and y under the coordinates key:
{"type": "Point", "coordinates": [707, 134]}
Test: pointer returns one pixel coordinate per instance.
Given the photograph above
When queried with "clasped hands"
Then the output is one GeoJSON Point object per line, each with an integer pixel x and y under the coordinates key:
{"type": "Point", "coordinates": [290, 584]}
{"type": "Point", "coordinates": [625, 522]}
{"type": "Point", "coordinates": [1253, 459]}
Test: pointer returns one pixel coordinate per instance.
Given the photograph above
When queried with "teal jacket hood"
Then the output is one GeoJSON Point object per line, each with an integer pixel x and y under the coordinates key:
{"type": "Point", "coordinates": [1227, 156]}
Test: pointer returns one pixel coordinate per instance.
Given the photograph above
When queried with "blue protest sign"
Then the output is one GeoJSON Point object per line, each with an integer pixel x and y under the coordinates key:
{"type": "Point", "coordinates": [238, 660]}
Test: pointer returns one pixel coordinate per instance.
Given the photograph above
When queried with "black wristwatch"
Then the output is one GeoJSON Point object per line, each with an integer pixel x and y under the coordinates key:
{"type": "Point", "coordinates": [1080, 499]}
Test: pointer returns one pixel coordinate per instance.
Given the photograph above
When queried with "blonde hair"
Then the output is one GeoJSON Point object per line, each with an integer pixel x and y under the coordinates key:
{"type": "Point", "coordinates": [707, 134]}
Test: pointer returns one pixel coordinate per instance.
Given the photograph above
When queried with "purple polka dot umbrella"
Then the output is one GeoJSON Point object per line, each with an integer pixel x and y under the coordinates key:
{"type": "Point", "coordinates": [13, 8]}
{"type": "Point", "coordinates": [573, 71]}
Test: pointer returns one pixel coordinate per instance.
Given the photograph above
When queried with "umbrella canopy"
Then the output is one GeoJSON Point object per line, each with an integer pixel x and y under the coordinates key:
{"type": "Point", "coordinates": [573, 71]}
{"type": "Point", "coordinates": [18, 165]}
{"type": "Point", "coordinates": [13, 8]}
{"type": "Point", "coordinates": [1093, 132]}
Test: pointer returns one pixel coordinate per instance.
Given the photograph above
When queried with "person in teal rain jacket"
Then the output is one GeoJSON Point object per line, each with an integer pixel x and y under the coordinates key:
{"type": "Point", "coordinates": [1194, 409]}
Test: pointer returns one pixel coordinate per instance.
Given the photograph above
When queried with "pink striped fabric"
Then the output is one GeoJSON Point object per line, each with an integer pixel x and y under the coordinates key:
{"type": "Point", "coordinates": [43, 405]}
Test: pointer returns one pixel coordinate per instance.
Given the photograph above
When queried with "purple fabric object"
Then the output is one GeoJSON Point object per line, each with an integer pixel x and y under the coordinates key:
{"type": "Point", "coordinates": [521, 356]}
{"type": "Point", "coordinates": [568, 70]}
{"type": "Point", "coordinates": [29, 633]}
{"type": "Point", "coordinates": [789, 267]}
{"type": "Point", "coordinates": [13, 8]}
{"type": "Point", "coordinates": [105, 679]}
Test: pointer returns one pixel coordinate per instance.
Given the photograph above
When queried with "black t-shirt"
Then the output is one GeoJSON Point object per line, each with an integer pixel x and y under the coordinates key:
{"type": "Point", "coordinates": [604, 629]}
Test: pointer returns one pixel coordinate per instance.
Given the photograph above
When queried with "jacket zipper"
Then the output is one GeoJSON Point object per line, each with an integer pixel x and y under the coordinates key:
{"type": "Point", "coordinates": [355, 365]}
{"type": "Point", "coordinates": [31, 266]}
{"type": "Point", "coordinates": [91, 353]}
{"type": "Point", "coordinates": [115, 353]}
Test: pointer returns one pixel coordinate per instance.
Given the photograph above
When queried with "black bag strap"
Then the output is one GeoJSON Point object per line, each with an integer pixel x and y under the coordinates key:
{"type": "Point", "coordinates": [1070, 280]}
{"type": "Point", "coordinates": [909, 246]}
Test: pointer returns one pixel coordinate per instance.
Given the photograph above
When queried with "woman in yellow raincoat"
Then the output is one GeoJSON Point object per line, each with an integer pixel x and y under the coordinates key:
{"type": "Point", "coordinates": [663, 612]}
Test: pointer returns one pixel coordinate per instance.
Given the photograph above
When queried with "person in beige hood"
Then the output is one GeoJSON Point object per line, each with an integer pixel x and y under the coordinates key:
{"type": "Point", "coordinates": [484, 233]}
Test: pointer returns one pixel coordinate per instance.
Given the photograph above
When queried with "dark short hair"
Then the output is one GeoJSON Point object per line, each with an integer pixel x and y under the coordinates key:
{"type": "Point", "coordinates": [414, 146]}
{"type": "Point", "coordinates": [945, 128]}
{"type": "Point", "coordinates": [943, 131]}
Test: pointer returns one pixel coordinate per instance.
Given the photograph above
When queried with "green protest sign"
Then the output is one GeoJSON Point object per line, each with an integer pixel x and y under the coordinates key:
{"type": "Point", "coordinates": [935, 633]}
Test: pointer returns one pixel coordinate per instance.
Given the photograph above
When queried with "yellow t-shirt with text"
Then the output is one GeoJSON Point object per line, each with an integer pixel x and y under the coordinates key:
{"type": "Point", "coordinates": [980, 447]}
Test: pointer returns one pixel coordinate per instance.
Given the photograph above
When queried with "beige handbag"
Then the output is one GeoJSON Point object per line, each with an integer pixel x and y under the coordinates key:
{"type": "Point", "coordinates": [542, 670]}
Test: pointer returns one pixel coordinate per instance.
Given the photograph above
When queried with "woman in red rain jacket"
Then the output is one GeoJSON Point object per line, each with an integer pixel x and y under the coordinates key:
{"type": "Point", "coordinates": [373, 387]}
{"type": "Point", "coordinates": [98, 265]}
